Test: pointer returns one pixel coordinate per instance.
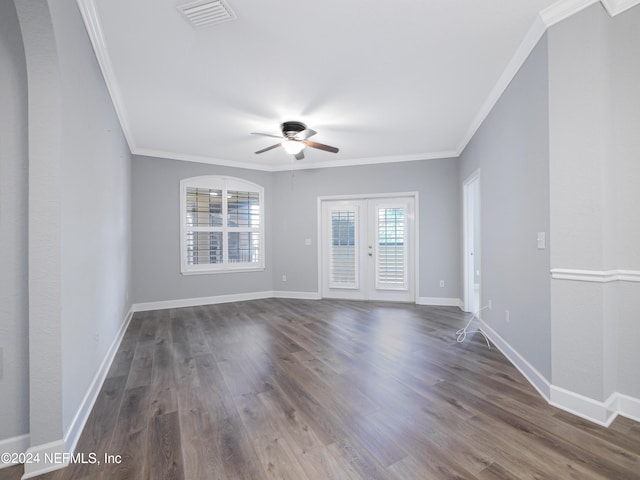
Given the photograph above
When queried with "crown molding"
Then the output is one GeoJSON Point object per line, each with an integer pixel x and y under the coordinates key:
{"type": "Point", "coordinates": [548, 17]}
{"type": "Point", "coordinates": [416, 157]}
{"type": "Point", "coordinates": [563, 9]}
{"type": "Point", "coordinates": [615, 7]}
{"type": "Point", "coordinates": [89, 12]}
{"type": "Point", "coordinates": [566, 8]}
{"type": "Point", "coordinates": [90, 16]}
{"type": "Point", "coordinates": [530, 40]}
{"type": "Point", "coordinates": [151, 152]}
{"type": "Point", "coordinates": [287, 166]}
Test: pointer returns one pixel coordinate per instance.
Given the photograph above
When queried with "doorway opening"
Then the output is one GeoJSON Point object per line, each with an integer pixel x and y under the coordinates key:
{"type": "Point", "coordinates": [368, 247]}
{"type": "Point", "coordinates": [472, 255]}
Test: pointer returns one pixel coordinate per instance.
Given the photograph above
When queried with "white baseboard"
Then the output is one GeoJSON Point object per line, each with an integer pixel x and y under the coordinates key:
{"type": "Point", "coordinates": [296, 295]}
{"type": "Point", "coordinates": [236, 297]}
{"type": "Point", "coordinates": [241, 297]}
{"type": "Point", "coordinates": [602, 413]}
{"type": "Point", "coordinates": [51, 456]}
{"type": "Point", "coordinates": [535, 378]}
{"type": "Point", "coordinates": [82, 414]}
{"type": "Point", "coordinates": [628, 406]}
{"type": "Point", "coordinates": [13, 445]}
{"type": "Point", "coordinates": [199, 301]}
{"type": "Point", "coordinates": [439, 301]}
{"type": "Point", "coordinates": [59, 450]}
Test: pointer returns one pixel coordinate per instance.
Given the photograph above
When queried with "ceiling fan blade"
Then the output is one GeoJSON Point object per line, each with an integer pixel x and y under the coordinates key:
{"type": "Point", "coordinates": [306, 133]}
{"type": "Point", "coordinates": [268, 148]}
{"type": "Point", "coordinates": [320, 146]}
{"type": "Point", "coordinates": [267, 134]}
{"type": "Point", "coordinates": [300, 155]}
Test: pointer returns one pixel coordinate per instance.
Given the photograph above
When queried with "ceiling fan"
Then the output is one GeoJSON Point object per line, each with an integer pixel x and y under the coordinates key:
{"type": "Point", "coordinates": [295, 135]}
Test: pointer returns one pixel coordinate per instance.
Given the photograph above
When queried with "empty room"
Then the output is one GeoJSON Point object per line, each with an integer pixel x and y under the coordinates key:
{"type": "Point", "coordinates": [319, 240]}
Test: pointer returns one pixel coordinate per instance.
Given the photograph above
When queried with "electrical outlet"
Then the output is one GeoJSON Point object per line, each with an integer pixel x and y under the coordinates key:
{"type": "Point", "coordinates": [96, 338]}
{"type": "Point", "coordinates": [489, 305]}
{"type": "Point", "coordinates": [507, 316]}
{"type": "Point", "coordinates": [441, 283]}
{"type": "Point", "coordinates": [284, 278]}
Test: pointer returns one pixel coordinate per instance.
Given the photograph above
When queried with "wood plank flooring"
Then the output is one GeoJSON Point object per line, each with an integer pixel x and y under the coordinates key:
{"type": "Point", "coordinates": [306, 390]}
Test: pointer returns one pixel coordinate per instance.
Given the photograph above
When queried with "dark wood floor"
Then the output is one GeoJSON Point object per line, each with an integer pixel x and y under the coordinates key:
{"type": "Point", "coordinates": [294, 389]}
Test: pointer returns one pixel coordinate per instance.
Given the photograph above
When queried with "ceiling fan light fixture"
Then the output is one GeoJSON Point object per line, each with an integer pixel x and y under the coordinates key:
{"type": "Point", "coordinates": [293, 147]}
{"type": "Point", "coordinates": [294, 139]}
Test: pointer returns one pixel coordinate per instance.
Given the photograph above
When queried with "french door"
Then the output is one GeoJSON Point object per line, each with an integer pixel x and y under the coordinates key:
{"type": "Point", "coordinates": [368, 247]}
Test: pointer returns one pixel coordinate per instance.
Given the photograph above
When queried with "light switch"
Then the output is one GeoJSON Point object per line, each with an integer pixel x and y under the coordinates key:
{"type": "Point", "coordinates": [307, 241]}
{"type": "Point", "coordinates": [542, 243]}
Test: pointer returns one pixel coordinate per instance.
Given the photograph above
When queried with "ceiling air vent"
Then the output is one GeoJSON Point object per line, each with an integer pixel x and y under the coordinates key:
{"type": "Point", "coordinates": [203, 13]}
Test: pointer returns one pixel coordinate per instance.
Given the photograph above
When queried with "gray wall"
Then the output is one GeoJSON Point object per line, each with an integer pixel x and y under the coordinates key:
{"type": "Point", "coordinates": [625, 65]}
{"type": "Point", "coordinates": [295, 197]}
{"type": "Point", "coordinates": [95, 210]}
{"type": "Point", "coordinates": [562, 139]}
{"type": "Point", "coordinates": [291, 217]}
{"type": "Point", "coordinates": [558, 153]}
{"type": "Point", "coordinates": [79, 217]}
{"type": "Point", "coordinates": [14, 387]}
{"type": "Point", "coordinates": [594, 75]}
{"type": "Point", "coordinates": [156, 237]}
{"type": "Point", "coordinates": [511, 151]}
{"type": "Point", "coordinates": [44, 263]}
{"type": "Point", "coordinates": [578, 118]}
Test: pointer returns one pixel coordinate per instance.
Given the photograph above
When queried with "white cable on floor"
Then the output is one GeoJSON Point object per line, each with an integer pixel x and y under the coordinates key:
{"type": "Point", "coordinates": [461, 335]}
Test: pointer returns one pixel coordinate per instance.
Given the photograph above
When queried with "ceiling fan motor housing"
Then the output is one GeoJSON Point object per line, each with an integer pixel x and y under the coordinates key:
{"type": "Point", "coordinates": [291, 129]}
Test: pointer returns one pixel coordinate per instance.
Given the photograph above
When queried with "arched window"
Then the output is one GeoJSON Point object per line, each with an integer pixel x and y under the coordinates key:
{"type": "Point", "coordinates": [221, 225]}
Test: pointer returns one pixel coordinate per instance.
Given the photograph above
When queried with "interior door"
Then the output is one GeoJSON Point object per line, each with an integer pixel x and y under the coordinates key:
{"type": "Point", "coordinates": [472, 267]}
{"type": "Point", "coordinates": [368, 249]}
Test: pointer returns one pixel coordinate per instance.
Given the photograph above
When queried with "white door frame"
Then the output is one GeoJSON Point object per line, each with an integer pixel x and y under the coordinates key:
{"type": "Point", "coordinates": [373, 196]}
{"type": "Point", "coordinates": [468, 240]}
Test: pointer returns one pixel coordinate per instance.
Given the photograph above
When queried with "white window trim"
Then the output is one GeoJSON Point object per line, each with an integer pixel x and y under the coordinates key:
{"type": "Point", "coordinates": [225, 183]}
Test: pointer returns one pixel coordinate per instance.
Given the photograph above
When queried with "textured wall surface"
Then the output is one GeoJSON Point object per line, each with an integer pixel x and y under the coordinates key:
{"type": "Point", "coordinates": [14, 308]}
{"type": "Point", "coordinates": [511, 151]}
{"type": "Point", "coordinates": [291, 218]}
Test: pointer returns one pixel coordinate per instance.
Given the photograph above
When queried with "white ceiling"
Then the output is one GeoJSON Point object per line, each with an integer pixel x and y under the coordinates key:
{"type": "Point", "coordinates": [382, 80]}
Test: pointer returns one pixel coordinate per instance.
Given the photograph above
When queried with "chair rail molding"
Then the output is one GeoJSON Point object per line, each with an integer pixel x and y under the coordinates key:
{"type": "Point", "coordinates": [598, 276]}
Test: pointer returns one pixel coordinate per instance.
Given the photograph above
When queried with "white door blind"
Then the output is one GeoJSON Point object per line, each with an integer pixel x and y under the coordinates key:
{"type": "Point", "coordinates": [343, 250]}
{"type": "Point", "coordinates": [391, 265]}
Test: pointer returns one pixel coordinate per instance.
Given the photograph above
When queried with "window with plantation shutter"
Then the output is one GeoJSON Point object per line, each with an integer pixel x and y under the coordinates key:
{"type": "Point", "coordinates": [221, 225]}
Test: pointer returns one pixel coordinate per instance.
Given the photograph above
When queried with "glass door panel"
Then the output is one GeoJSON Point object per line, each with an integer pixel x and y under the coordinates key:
{"type": "Point", "coordinates": [368, 249]}
{"type": "Point", "coordinates": [391, 258]}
